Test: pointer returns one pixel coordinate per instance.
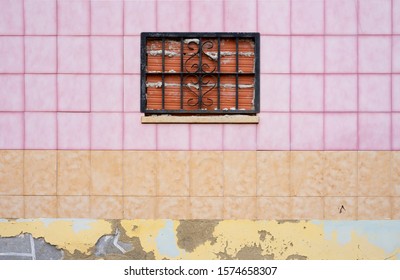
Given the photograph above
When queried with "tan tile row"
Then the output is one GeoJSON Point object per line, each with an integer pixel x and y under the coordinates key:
{"type": "Point", "coordinates": [265, 208]}
{"type": "Point", "coordinates": [181, 173]}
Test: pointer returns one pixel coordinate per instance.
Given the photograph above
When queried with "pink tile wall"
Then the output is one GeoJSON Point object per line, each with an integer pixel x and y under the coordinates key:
{"type": "Point", "coordinates": [70, 74]}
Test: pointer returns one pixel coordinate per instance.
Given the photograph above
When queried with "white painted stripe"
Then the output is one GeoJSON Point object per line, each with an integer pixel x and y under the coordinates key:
{"type": "Point", "coordinates": [115, 242]}
{"type": "Point", "coordinates": [16, 254]}
{"type": "Point", "coordinates": [32, 247]}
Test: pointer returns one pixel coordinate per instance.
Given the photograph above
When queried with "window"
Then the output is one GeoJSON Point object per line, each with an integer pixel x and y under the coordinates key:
{"type": "Point", "coordinates": [200, 73]}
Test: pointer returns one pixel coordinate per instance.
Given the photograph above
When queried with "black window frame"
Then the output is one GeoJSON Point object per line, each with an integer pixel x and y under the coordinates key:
{"type": "Point", "coordinates": [200, 35]}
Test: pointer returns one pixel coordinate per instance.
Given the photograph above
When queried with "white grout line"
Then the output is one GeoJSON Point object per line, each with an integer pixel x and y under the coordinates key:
{"type": "Point", "coordinates": [33, 252]}
{"type": "Point", "coordinates": [16, 255]}
{"type": "Point", "coordinates": [115, 242]}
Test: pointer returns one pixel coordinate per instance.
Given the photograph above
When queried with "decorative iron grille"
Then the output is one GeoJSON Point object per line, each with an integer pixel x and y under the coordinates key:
{"type": "Point", "coordinates": [200, 73]}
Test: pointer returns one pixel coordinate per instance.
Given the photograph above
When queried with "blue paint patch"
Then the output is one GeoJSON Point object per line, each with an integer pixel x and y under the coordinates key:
{"type": "Point", "coordinates": [384, 234]}
{"type": "Point", "coordinates": [3, 220]}
{"type": "Point", "coordinates": [166, 243]}
{"type": "Point", "coordinates": [47, 222]}
{"type": "Point", "coordinates": [81, 224]}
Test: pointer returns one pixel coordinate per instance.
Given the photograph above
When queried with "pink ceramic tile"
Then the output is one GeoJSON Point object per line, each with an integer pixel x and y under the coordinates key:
{"type": "Point", "coordinates": [12, 127]}
{"type": "Point", "coordinates": [132, 93]}
{"type": "Point", "coordinates": [40, 93]}
{"type": "Point", "coordinates": [307, 93]}
{"type": "Point", "coordinates": [275, 54]}
{"type": "Point", "coordinates": [341, 16]}
{"type": "Point", "coordinates": [73, 131]}
{"type": "Point", "coordinates": [274, 92]}
{"type": "Point", "coordinates": [106, 17]}
{"type": "Point", "coordinates": [11, 17]}
{"type": "Point", "coordinates": [173, 137]}
{"type": "Point", "coordinates": [374, 93]}
{"type": "Point", "coordinates": [374, 54]}
{"type": "Point", "coordinates": [396, 131]}
{"type": "Point", "coordinates": [308, 17]}
{"type": "Point", "coordinates": [40, 131]}
{"type": "Point", "coordinates": [206, 137]}
{"type": "Point", "coordinates": [106, 132]}
{"type": "Point", "coordinates": [73, 92]}
{"type": "Point", "coordinates": [307, 54]}
{"type": "Point", "coordinates": [341, 92]}
{"type": "Point", "coordinates": [176, 10]}
{"type": "Point", "coordinates": [207, 16]}
{"type": "Point", "coordinates": [131, 54]}
{"type": "Point", "coordinates": [40, 17]}
{"type": "Point", "coordinates": [73, 17]}
{"type": "Point", "coordinates": [140, 16]}
{"type": "Point", "coordinates": [40, 54]}
{"type": "Point", "coordinates": [374, 131]}
{"type": "Point", "coordinates": [396, 16]}
{"type": "Point", "coordinates": [73, 55]}
{"type": "Point", "coordinates": [396, 93]}
{"type": "Point", "coordinates": [240, 16]}
{"type": "Point", "coordinates": [396, 54]}
{"type": "Point", "coordinates": [374, 17]}
{"type": "Point", "coordinates": [273, 131]}
{"type": "Point", "coordinates": [138, 136]}
{"type": "Point", "coordinates": [341, 131]}
{"type": "Point", "coordinates": [107, 93]}
{"type": "Point", "coordinates": [341, 54]}
{"type": "Point", "coordinates": [307, 131]}
{"type": "Point", "coordinates": [11, 93]}
{"type": "Point", "coordinates": [240, 137]}
{"type": "Point", "coordinates": [11, 54]}
{"type": "Point", "coordinates": [107, 56]}
{"type": "Point", "coordinates": [275, 17]}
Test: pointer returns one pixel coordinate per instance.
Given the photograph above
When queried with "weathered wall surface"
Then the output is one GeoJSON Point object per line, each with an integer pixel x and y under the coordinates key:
{"type": "Point", "coordinates": [326, 147]}
{"type": "Point", "coordinates": [198, 239]}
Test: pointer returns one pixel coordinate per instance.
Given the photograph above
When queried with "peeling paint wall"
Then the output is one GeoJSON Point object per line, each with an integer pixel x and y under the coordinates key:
{"type": "Point", "coordinates": [199, 239]}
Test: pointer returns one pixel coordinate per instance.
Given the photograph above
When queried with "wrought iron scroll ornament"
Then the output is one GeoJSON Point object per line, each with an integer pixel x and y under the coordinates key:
{"type": "Point", "coordinates": [200, 81]}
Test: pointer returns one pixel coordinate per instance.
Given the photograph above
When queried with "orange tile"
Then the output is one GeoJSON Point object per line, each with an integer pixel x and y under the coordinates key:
{"type": "Point", "coordinates": [139, 207]}
{"type": "Point", "coordinates": [173, 173]}
{"type": "Point", "coordinates": [340, 174]}
{"type": "Point", "coordinates": [307, 173]}
{"type": "Point", "coordinates": [307, 208]}
{"type": "Point", "coordinates": [374, 174]}
{"type": "Point", "coordinates": [240, 208]}
{"type": "Point", "coordinates": [140, 173]}
{"type": "Point", "coordinates": [396, 172]}
{"type": "Point", "coordinates": [73, 173]}
{"type": "Point", "coordinates": [274, 208]}
{"type": "Point", "coordinates": [11, 172]}
{"type": "Point", "coordinates": [11, 207]}
{"type": "Point", "coordinates": [206, 173]}
{"type": "Point", "coordinates": [106, 173]}
{"type": "Point", "coordinates": [40, 172]}
{"type": "Point", "coordinates": [206, 208]}
{"type": "Point", "coordinates": [340, 208]}
{"type": "Point", "coordinates": [240, 169]}
{"type": "Point", "coordinates": [172, 208]}
{"type": "Point", "coordinates": [106, 207]}
{"type": "Point", "coordinates": [396, 208]}
{"type": "Point", "coordinates": [374, 208]}
{"type": "Point", "coordinates": [40, 207]}
{"type": "Point", "coordinates": [273, 169]}
{"type": "Point", "coordinates": [73, 206]}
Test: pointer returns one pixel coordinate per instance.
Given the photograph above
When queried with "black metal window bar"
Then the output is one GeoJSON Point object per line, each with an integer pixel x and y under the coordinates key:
{"type": "Point", "coordinates": [200, 73]}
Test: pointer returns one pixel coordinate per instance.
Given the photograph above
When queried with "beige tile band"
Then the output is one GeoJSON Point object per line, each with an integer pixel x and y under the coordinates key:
{"type": "Point", "coordinates": [200, 184]}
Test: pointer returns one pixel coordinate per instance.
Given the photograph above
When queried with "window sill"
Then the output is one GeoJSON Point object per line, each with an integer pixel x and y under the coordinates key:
{"type": "Point", "coordinates": [200, 119]}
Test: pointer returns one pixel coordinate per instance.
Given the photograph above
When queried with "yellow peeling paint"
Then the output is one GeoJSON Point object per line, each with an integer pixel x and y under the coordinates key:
{"type": "Point", "coordinates": [146, 231]}
{"type": "Point", "coordinates": [60, 233]}
{"type": "Point", "coordinates": [229, 239]}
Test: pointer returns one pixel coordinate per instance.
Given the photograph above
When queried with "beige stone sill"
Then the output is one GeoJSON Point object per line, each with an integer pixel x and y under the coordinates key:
{"type": "Point", "coordinates": [200, 119]}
